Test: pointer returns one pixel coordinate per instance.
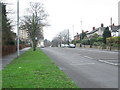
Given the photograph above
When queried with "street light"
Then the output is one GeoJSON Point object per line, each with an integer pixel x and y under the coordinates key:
{"type": "Point", "coordinates": [18, 28]}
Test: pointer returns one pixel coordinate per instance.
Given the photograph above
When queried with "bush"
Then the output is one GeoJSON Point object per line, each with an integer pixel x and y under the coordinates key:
{"type": "Point", "coordinates": [100, 39]}
{"type": "Point", "coordinates": [113, 41]}
{"type": "Point", "coordinates": [86, 41]}
{"type": "Point", "coordinates": [78, 41]}
{"type": "Point", "coordinates": [92, 40]}
{"type": "Point", "coordinates": [103, 45]}
{"type": "Point", "coordinates": [97, 43]}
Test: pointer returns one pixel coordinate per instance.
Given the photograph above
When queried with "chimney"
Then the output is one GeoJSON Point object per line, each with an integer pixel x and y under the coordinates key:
{"type": "Point", "coordinates": [113, 24]}
{"type": "Point", "coordinates": [93, 28]}
{"type": "Point", "coordinates": [102, 25]}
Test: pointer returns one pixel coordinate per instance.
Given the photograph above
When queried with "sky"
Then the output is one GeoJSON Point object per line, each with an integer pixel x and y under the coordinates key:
{"type": "Point", "coordinates": [68, 14]}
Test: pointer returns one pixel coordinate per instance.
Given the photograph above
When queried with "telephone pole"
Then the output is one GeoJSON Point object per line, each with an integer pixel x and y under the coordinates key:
{"type": "Point", "coordinates": [81, 26]}
{"type": "Point", "coordinates": [81, 30]}
{"type": "Point", "coordinates": [18, 28]}
{"type": "Point", "coordinates": [73, 30]}
{"type": "Point", "coordinates": [68, 36]}
{"type": "Point", "coordinates": [111, 23]}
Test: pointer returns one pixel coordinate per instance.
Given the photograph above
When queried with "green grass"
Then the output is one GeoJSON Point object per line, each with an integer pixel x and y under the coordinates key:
{"type": "Point", "coordinates": [34, 69]}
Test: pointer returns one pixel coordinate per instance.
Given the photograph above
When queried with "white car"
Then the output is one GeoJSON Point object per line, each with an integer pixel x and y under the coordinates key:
{"type": "Point", "coordinates": [72, 46]}
{"type": "Point", "coordinates": [66, 45]}
{"type": "Point", "coordinates": [62, 45]}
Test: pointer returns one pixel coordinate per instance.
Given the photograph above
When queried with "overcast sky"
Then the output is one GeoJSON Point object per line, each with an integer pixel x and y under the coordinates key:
{"type": "Point", "coordinates": [63, 14]}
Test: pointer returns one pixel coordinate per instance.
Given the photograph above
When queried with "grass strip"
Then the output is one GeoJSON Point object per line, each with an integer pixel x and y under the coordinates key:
{"type": "Point", "coordinates": [34, 69]}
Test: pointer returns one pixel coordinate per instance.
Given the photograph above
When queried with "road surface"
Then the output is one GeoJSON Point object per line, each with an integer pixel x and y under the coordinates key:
{"type": "Point", "coordinates": [88, 68]}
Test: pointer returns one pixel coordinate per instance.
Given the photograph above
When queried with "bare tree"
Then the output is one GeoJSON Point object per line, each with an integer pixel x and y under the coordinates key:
{"type": "Point", "coordinates": [61, 38]}
{"type": "Point", "coordinates": [34, 22]}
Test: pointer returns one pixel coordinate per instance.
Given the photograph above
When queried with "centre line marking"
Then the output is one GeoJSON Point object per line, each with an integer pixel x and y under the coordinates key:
{"type": "Point", "coordinates": [83, 64]}
{"type": "Point", "coordinates": [88, 57]}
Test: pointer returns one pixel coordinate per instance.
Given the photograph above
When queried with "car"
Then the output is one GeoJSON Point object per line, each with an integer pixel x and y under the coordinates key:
{"type": "Point", "coordinates": [62, 45]}
{"type": "Point", "coordinates": [71, 46]}
{"type": "Point", "coordinates": [66, 45]}
{"type": "Point", "coordinates": [42, 46]}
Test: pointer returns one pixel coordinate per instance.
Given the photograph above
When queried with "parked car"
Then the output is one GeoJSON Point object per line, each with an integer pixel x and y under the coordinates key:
{"type": "Point", "coordinates": [62, 45]}
{"type": "Point", "coordinates": [42, 46]}
{"type": "Point", "coordinates": [66, 45]}
{"type": "Point", "coordinates": [71, 46]}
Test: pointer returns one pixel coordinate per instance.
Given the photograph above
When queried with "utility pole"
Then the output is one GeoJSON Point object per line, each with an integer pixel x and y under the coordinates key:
{"type": "Point", "coordinates": [81, 26]}
{"type": "Point", "coordinates": [68, 36]}
{"type": "Point", "coordinates": [111, 23]}
{"type": "Point", "coordinates": [18, 28]}
{"type": "Point", "coordinates": [81, 30]}
{"type": "Point", "coordinates": [60, 39]}
{"type": "Point", "coordinates": [73, 31]}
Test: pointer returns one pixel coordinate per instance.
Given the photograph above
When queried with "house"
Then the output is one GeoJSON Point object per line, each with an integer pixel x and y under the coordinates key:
{"type": "Point", "coordinates": [115, 30]}
{"type": "Point", "coordinates": [90, 34]}
{"type": "Point", "coordinates": [98, 31]}
{"type": "Point", "coordinates": [101, 30]}
{"type": "Point", "coordinates": [77, 37]}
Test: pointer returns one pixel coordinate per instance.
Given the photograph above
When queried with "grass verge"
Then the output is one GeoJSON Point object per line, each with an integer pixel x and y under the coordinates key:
{"type": "Point", "coordinates": [34, 69]}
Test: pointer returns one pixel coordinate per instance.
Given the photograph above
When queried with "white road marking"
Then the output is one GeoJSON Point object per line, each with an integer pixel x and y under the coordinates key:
{"type": "Point", "coordinates": [82, 63]}
{"type": "Point", "coordinates": [108, 62]}
{"type": "Point", "coordinates": [88, 57]}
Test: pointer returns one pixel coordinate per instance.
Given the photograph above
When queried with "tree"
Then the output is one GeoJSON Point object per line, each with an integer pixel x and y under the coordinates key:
{"type": "Point", "coordinates": [106, 34]}
{"type": "Point", "coordinates": [35, 22]}
{"type": "Point", "coordinates": [82, 35]}
{"type": "Point", "coordinates": [8, 37]}
{"type": "Point", "coordinates": [61, 37]}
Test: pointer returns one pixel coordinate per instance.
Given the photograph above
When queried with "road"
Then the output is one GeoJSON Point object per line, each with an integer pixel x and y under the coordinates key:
{"type": "Point", "coordinates": [84, 66]}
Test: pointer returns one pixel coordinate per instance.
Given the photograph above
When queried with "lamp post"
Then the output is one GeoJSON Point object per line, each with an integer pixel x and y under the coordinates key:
{"type": "Point", "coordinates": [18, 28]}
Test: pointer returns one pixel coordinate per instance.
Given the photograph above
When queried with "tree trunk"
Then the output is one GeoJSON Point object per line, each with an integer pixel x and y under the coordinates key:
{"type": "Point", "coordinates": [34, 45]}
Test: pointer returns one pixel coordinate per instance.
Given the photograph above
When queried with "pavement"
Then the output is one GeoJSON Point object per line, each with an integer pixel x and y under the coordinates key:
{"type": "Point", "coordinates": [7, 59]}
{"type": "Point", "coordinates": [84, 66]}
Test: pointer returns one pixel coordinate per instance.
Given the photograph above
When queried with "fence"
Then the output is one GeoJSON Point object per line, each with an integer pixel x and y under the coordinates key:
{"type": "Point", "coordinates": [8, 49]}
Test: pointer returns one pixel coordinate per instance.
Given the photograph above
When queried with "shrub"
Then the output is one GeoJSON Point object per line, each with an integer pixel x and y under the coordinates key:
{"type": "Point", "coordinates": [103, 45]}
{"type": "Point", "coordinates": [97, 43]}
{"type": "Point", "coordinates": [92, 40]}
{"type": "Point", "coordinates": [115, 40]}
{"type": "Point", "coordinates": [86, 41]}
{"type": "Point", "coordinates": [100, 39]}
{"type": "Point", "coordinates": [78, 41]}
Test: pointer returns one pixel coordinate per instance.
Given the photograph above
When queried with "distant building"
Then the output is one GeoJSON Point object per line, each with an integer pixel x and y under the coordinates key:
{"type": "Point", "coordinates": [114, 30]}
{"type": "Point", "coordinates": [98, 31]}
{"type": "Point", "coordinates": [77, 37]}
{"type": "Point", "coordinates": [101, 30]}
{"type": "Point", "coordinates": [23, 34]}
{"type": "Point", "coordinates": [90, 34]}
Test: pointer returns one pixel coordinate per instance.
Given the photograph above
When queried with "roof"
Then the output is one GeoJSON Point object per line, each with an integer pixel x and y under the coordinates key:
{"type": "Point", "coordinates": [93, 31]}
{"type": "Point", "coordinates": [102, 28]}
{"type": "Point", "coordinates": [115, 28]}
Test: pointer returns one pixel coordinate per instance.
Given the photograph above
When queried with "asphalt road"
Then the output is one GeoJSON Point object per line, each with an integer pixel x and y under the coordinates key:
{"type": "Point", "coordinates": [88, 68]}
